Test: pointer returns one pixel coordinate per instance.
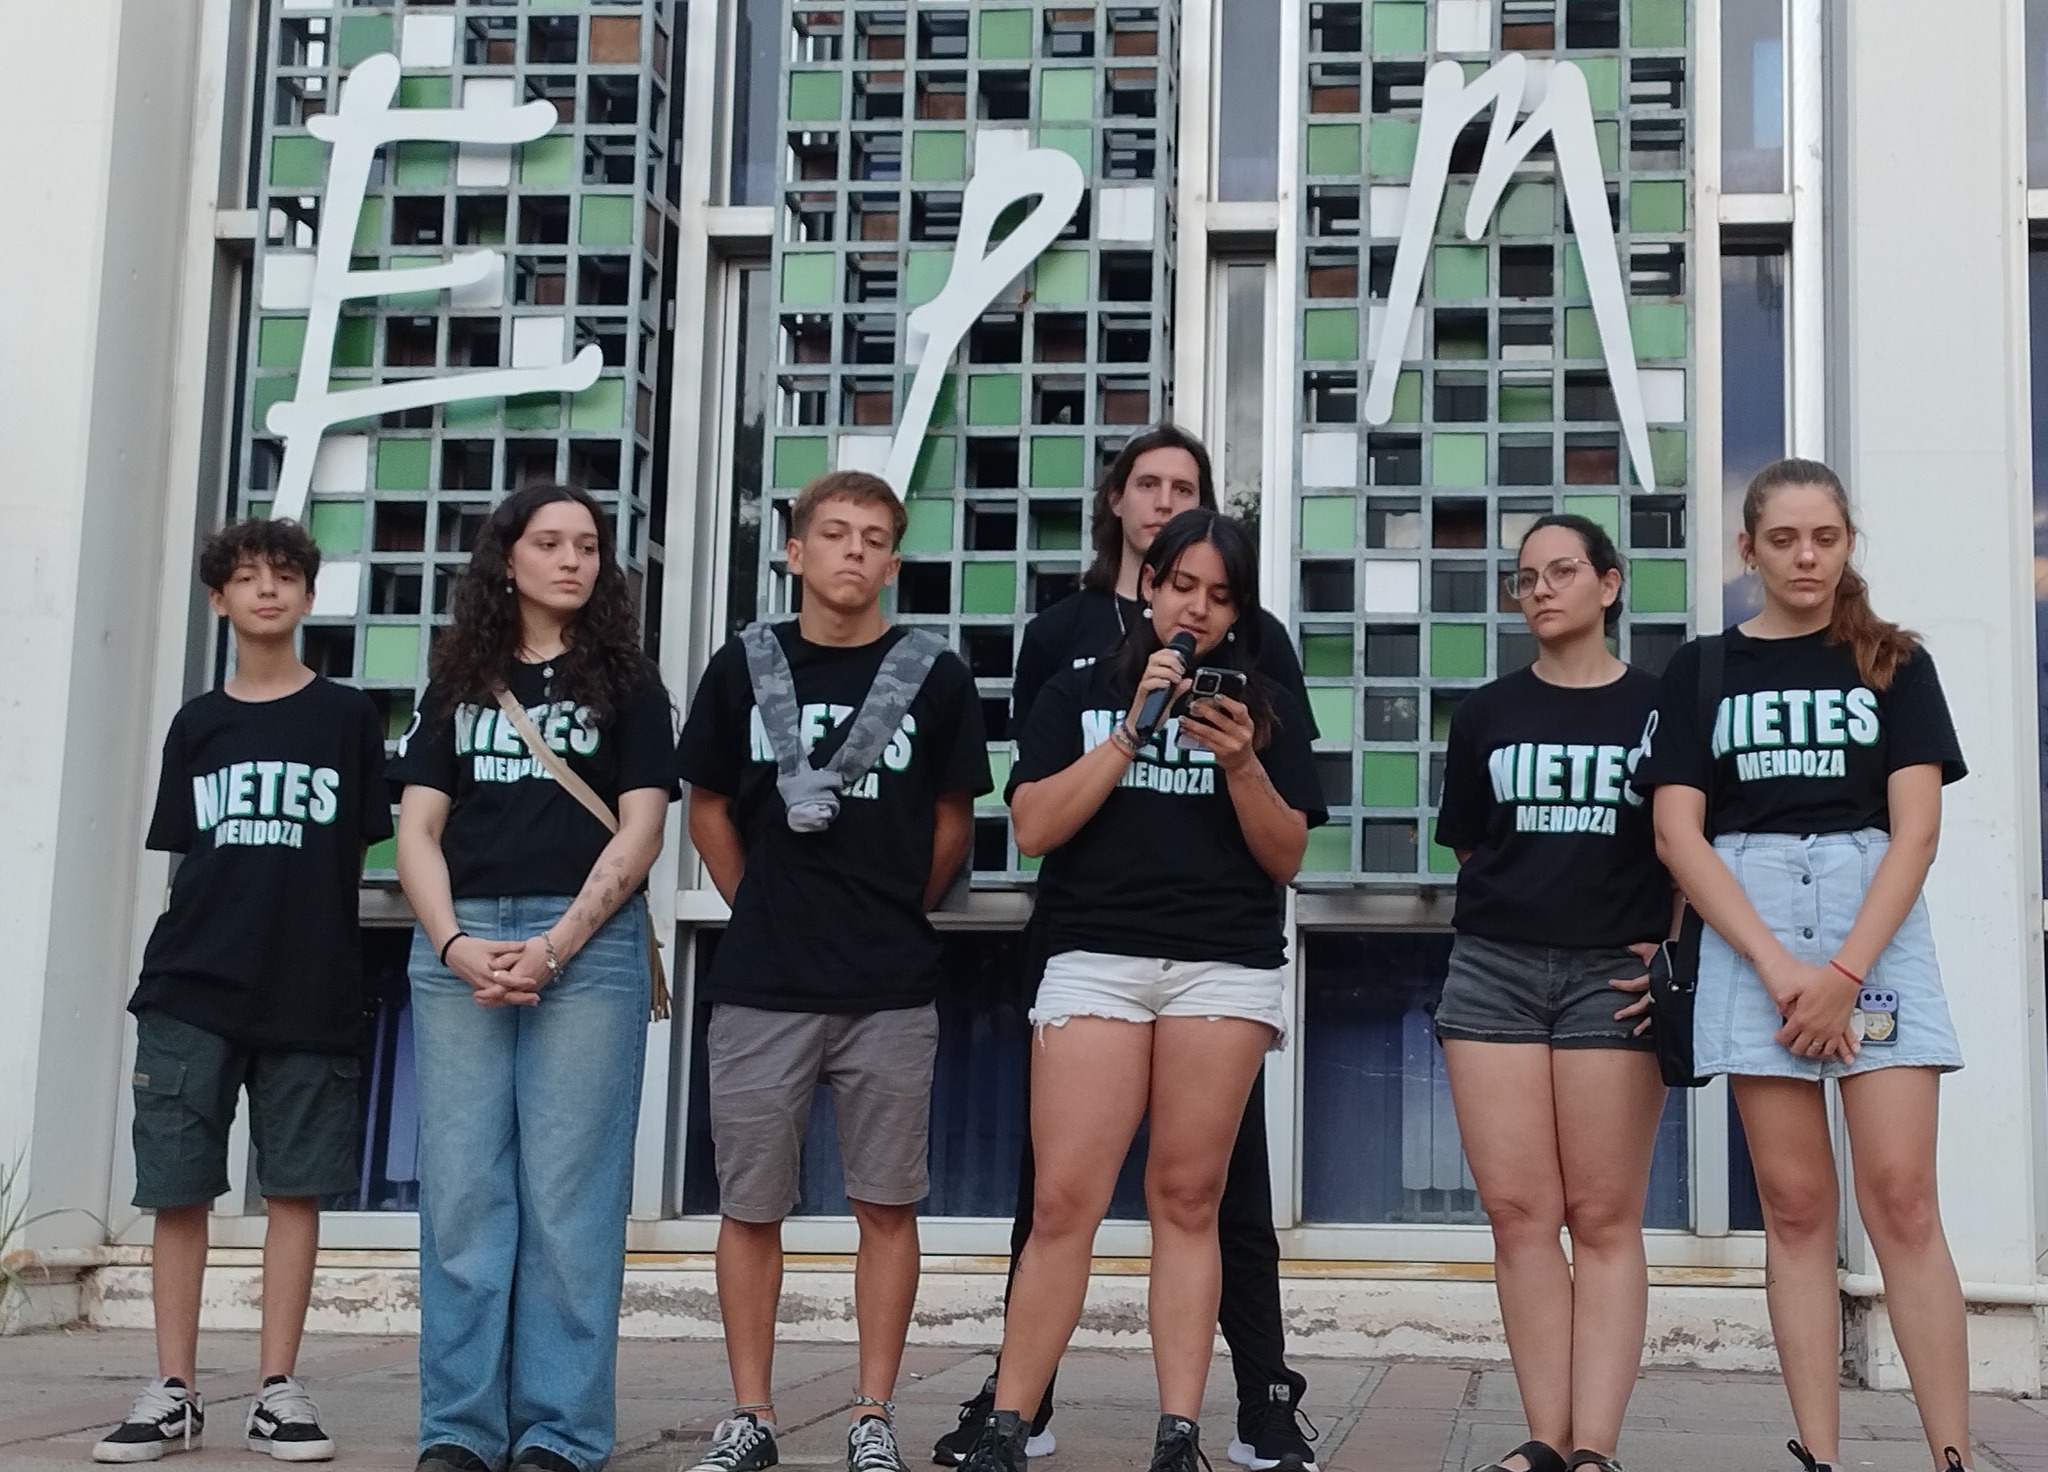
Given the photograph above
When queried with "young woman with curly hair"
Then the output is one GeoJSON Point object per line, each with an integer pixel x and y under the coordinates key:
{"type": "Point", "coordinates": [529, 985]}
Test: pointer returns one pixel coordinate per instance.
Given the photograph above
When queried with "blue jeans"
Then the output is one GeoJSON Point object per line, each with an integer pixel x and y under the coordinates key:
{"type": "Point", "coordinates": [527, 1117]}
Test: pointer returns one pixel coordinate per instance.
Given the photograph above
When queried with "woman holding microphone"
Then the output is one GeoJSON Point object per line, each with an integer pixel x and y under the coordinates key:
{"type": "Point", "coordinates": [1170, 825]}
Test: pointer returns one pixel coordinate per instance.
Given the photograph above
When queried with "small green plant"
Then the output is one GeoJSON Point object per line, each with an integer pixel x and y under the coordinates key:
{"type": "Point", "coordinates": [15, 1219]}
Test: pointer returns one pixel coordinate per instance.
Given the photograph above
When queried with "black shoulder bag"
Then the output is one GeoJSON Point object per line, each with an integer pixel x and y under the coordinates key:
{"type": "Point", "coordinates": [1675, 973]}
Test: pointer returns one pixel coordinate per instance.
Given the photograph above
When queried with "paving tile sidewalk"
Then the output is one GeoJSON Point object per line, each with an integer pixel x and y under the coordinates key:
{"type": "Point", "coordinates": [58, 1389]}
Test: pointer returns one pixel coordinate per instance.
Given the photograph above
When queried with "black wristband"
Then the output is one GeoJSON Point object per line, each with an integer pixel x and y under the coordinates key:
{"type": "Point", "coordinates": [450, 942]}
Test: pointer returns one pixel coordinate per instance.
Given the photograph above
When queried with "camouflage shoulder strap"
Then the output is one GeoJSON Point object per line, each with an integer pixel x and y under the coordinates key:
{"type": "Point", "coordinates": [811, 794]}
{"type": "Point", "coordinates": [896, 685]}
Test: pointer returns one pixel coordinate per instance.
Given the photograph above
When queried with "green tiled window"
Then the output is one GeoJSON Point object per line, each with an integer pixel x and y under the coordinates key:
{"type": "Point", "coordinates": [1074, 358]}
{"type": "Point", "coordinates": [397, 498]}
{"type": "Point", "coordinates": [1503, 407]}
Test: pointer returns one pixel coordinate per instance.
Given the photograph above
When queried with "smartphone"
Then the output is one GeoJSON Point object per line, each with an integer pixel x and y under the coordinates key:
{"type": "Point", "coordinates": [1210, 681]}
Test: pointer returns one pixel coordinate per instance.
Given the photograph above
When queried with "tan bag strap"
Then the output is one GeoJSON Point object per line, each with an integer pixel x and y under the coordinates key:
{"type": "Point", "coordinates": [560, 770]}
{"type": "Point", "coordinates": [566, 778]}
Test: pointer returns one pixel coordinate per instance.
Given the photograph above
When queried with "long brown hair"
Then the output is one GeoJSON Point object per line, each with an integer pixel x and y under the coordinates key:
{"type": "Point", "coordinates": [1880, 646]}
{"type": "Point", "coordinates": [1105, 529]}
{"type": "Point", "coordinates": [602, 665]}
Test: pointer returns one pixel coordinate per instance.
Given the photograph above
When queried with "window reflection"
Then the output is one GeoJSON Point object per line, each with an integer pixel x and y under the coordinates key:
{"type": "Point", "coordinates": [1247, 100]}
{"type": "Point", "coordinates": [1752, 401]}
{"type": "Point", "coordinates": [1753, 96]}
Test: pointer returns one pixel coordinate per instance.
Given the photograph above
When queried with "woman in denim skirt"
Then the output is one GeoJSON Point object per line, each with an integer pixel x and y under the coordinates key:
{"type": "Point", "coordinates": [1824, 744]}
{"type": "Point", "coordinates": [1561, 902]}
{"type": "Point", "coordinates": [529, 985]}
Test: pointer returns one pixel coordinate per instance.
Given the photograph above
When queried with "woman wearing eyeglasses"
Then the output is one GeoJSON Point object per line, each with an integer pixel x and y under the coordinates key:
{"type": "Point", "coordinates": [1561, 901]}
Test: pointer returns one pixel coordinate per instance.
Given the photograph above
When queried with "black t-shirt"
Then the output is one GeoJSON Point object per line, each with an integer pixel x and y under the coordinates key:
{"type": "Point", "coordinates": [271, 803]}
{"type": "Point", "coordinates": [512, 829]}
{"type": "Point", "coordinates": [1162, 869]}
{"type": "Point", "coordinates": [1801, 744]}
{"type": "Point", "coordinates": [1085, 625]}
{"type": "Point", "coordinates": [833, 921]}
{"type": "Point", "coordinates": [1536, 786]}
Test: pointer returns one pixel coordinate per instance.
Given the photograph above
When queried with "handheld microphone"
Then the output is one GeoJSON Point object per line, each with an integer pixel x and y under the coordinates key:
{"type": "Point", "coordinates": [1153, 711]}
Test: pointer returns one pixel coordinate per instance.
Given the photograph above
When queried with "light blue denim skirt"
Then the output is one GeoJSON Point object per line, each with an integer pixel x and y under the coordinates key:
{"type": "Point", "coordinates": [1808, 890]}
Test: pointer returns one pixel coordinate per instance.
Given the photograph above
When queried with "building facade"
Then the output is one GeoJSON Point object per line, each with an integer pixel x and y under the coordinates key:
{"type": "Point", "coordinates": [1419, 272]}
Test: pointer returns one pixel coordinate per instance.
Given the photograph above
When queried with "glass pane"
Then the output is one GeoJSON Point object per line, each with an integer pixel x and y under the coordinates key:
{"type": "Point", "coordinates": [754, 75]}
{"type": "Point", "coordinates": [2037, 281]}
{"type": "Point", "coordinates": [754, 353]}
{"type": "Point", "coordinates": [1379, 1137]}
{"type": "Point", "coordinates": [1753, 96]}
{"type": "Point", "coordinates": [978, 1097]}
{"type": "Point", "coordinates": [2037, 93]}
{"type": "Point", "coordinates": [1244, 388]}
{"type": "Point", "coordinates": [1752, 402]}
{"type": "Point", "coordinates": [391, 1110]}
{"type": "Point", "coordinates": [1247, 100]}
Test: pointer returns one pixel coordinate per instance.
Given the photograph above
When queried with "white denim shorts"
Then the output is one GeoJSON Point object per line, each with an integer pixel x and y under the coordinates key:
{"type": "Point", "coordinates": [1143, 988]}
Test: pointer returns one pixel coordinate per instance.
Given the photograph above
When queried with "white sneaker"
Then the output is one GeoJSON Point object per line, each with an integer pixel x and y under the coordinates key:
{"type": "Point", "coordinates": [167, 1417]}
{"type": "Point", "coordinates": [283, 1423]}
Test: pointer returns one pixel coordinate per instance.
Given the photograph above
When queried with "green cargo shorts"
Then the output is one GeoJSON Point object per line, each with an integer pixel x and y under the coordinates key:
{"type": "Point", "coordinates": [305, 1116]}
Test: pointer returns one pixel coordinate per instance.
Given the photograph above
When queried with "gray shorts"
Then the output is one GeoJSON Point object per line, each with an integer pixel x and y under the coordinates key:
{"type": "Point", "coordinates": [1507, 992]}
{"type": "Point", "coordinates": [765, 1066]}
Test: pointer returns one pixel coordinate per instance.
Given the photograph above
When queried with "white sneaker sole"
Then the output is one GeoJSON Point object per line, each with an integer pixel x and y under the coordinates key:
{"type": "Point", "coordinates": [141, 1451]}
{"type": "Point", "coordinates": [1044, 1444]}
{"type": "Point", "coordinates": [293, 1451]}
{"type": "Point", "coordinates": [1246, 1455]}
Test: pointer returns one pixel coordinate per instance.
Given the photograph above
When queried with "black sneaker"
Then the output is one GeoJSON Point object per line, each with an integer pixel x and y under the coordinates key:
{"type": "Point", "coordinates": [167, 1417]}
{"type": "Point", "coordinates": [1273, 1433]}
{"type": "Point", "coordinates": [953, 1447]}
{"type": "Point", "coordinates": [446, 1456]}
{"type": "Point", "coordinates": [742, 1443]}
{"type": "Point", "coordinates": [545, 1458]}
{"type": "Point", "coordinates": [283, 1423]}
{"type": "Point", "coordinates": [1000, 1445]}
{"type": "Point", "coordinates": [1178, 1446]}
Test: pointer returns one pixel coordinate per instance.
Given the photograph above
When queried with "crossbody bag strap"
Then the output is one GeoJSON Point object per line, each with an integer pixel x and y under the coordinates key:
{"type": "Point", "coordinates": [896, 683]}
{"type": "Point", "coordinates": [566, 778]}
{"type": "Point", "coordinates": [1713, 666]}
{"type": "Point", "coordinates": [560, 770]}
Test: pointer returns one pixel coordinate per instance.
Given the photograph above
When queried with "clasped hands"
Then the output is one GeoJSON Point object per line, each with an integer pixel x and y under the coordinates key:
{"type": "Point", "coordinates": [501, 973]}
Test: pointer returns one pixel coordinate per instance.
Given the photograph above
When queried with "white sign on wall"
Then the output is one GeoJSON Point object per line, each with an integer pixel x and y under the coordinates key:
{"type": "Point", "coordinates": [365, 121]}
{"type": "Point", "coordinates": [1558, 107]}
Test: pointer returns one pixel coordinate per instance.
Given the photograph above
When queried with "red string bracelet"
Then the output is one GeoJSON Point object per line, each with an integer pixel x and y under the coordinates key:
{"type": "Point", "coordinates": [1846, 972]}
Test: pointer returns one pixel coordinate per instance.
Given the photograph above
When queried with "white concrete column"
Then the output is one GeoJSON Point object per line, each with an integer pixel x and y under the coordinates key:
{"type": "Point", "coordinates": [1930, 428]}
{"type": "Point", "coordinates": [98, 115]}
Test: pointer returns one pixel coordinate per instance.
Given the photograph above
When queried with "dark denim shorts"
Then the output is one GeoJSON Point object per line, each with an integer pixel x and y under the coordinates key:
{"type": "Point", "coordinates": [305, 1116]}
{"type": "Point", "coordinates": [1507, 992]}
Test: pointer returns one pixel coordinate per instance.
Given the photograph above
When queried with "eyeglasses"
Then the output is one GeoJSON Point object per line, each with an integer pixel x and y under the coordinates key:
{"type": "Point", "coordinates": [1557, 575]}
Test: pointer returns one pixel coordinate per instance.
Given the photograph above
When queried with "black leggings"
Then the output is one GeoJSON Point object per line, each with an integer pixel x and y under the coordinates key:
{"type": "Point", "coordinates": [1249, 1313]}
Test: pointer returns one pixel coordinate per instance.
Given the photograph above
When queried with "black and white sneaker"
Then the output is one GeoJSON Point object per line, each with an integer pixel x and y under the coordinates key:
{"type": "Point", "coordinates": [999, 1446]}
{"type": "Point", "coordinates": [953, 1447]}
{"type": "Point", "coordinates": [1273, 1433]}
{"type": "Point", "coordinates": [284, 1424]}
{"type": "Point", "coordinates": [1178, 1446]}
{"type": "Point", "coordinates": [166, 1417]}
{"type": "Point", "coordinates": [1806, 1459]}
{"type": "Point", "coordinates": [871, 1446]}
{"type": "Point", "coordinates": [742, 1443]}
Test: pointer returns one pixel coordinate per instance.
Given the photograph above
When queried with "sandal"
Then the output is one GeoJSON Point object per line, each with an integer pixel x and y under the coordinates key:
{"type": "Point", "coordinates": [1540, 1456]}
{"type": "Point", "coordinates": [1595, 1460]}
